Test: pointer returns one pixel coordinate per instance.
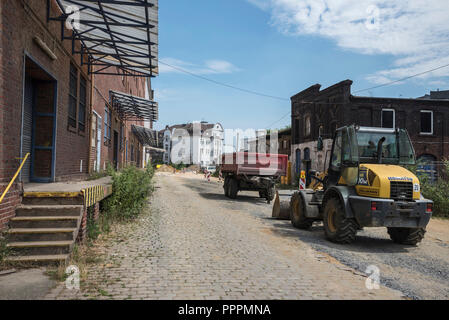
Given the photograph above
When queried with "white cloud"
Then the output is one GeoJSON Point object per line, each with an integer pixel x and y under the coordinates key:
{"type": "Point", "coordinates": [173, 65]}
{"type": "Point", "coordinates": [416, 32]}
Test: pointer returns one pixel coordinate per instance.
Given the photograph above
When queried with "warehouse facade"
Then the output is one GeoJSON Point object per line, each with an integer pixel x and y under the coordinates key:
{"type": "Point", "coordinates": [63, 101]}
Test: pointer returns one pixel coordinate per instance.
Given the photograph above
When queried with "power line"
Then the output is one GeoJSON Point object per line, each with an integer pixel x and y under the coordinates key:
{"type": "Point", "coordinates": [286, 99]}
{"type": "Point", "coordinates": [283, 117]}
{"type": "Point", "coordinates": [403, 79]}
{"type": "Point", "coordinates": [224, 84]}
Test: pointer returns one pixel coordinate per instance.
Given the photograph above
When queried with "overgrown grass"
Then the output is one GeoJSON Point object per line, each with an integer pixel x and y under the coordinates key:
{"type": "Point", "coordinates": [4, 250]}
{"type": "Point", "coordinates": [82, 256]}
{"type": "Point", "coordinates": [437, 191]}
{"type": "Point", "coordinates": [131, 188]}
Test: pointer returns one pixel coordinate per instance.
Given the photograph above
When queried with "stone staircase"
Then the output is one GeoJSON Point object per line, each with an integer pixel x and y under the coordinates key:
{"type": "Point", "coordinates": [44, 229]}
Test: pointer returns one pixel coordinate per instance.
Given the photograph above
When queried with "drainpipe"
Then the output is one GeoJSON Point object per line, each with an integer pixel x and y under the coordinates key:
{"type": "Point", "coordinates": [91, 114]}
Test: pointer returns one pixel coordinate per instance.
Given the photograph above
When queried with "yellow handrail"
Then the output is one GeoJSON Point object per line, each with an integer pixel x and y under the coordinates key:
{"type": "Point", "coordinates": [14, 178]}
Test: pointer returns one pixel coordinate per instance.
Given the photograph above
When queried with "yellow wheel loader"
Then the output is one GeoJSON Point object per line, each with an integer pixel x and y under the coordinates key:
{"type": "Point", "coordinates": [365, 185]}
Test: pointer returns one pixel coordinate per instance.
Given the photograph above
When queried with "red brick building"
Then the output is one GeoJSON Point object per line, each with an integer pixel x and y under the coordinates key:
{"type": "Point", "coordinates": [318, 113]}
{"type": "Point", "coordinates": [56, 89]}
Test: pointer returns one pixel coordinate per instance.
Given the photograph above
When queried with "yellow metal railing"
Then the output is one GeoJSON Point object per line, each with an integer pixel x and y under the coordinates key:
{"type": "Point", "coordinates": [14, 178]}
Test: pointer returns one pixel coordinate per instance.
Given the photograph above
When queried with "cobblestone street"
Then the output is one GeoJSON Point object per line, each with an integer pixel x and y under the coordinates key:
{"type": "Point", "coordinates": [193, 243]}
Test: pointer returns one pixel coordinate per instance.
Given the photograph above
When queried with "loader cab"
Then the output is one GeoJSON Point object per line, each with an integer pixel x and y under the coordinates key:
{"type": "Point", "coordinates": [354, 145]}
{"type": "Point", "coordinates": [344, 160]}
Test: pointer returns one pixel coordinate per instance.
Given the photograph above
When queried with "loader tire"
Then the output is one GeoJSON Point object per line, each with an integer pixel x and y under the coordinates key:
{"type": "Point", "coordinates": [233, 188]}
{"type": "Point", "coordinates": [297, 213]}
{"type": "Point", "coordinates": [408, 236]}
{"type": "Point", "coordinates": [337, 227]}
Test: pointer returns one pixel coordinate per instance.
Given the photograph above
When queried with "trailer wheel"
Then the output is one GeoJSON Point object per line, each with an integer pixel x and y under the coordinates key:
{"type": "Point", "coordinates": [270, 193]}
{"type": "Point", "coordinates": [297, 213]}
{"type": "Point", "coordinates": [226, 187]}
{"type": "Point", "coordinates": [233, 188]}
{"type": "Point", "coordinates": [409, 236]}
{"type": "Point", "coordinates": [337, 227]}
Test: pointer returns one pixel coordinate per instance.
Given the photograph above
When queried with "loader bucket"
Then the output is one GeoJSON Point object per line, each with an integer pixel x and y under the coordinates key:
{"type": "Point", "coordinates": [281, 205]}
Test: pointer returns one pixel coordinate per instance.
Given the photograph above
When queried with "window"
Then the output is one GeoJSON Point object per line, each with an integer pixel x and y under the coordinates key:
{"type": "Point", "coordinates": [107, 125]}
{"type": "Point", "coordinates": [388, 118]}
{"type": "Point", "coordinates": [126, 150]}
{"type": "Point", "coordinates": [132, 152]}
{"type": "Point", "coordinates": [307, 125]}
{"type": "Point", "coordinates": [82, 105]}
{"type": "Point", "coordinates": [73, 92]}
{"type": "Point", "coordinates": [426, 122]}
{"type": "Point", "coordinates": [121, 136]}
{"type": "Point", "coordinates": [296, 140]}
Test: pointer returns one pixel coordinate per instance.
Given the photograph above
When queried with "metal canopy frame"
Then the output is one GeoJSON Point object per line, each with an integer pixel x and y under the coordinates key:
{"type": "Point", "coordinates": [130, 107]}
{"type": "Point", "coordinates": [146, 137]}
{"type": "Point", "coordinates": [119, 37]}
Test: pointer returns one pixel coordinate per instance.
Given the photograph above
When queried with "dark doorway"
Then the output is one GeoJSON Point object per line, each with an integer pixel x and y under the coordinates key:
{"type": "Point", "coordinates": [39, 123]}
{"type": "Point", "coordinates": [115, 149]}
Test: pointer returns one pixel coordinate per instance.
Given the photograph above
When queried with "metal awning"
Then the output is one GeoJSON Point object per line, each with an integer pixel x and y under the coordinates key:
{"type": "Point", "coordinates": [119, 37]}
{"type": "Point", "coordinates": [130, 107]}
{"type": "Point", "coordinates": [146, 137]}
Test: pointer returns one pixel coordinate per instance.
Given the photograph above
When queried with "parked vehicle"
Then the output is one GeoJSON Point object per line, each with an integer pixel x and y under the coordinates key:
{"type": "Point", "coordinates": [252, 172]}
{"type": "Point", "coordinates": [365, 185]}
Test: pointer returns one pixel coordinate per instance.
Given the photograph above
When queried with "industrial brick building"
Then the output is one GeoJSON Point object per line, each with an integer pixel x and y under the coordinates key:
{"type": "Point", "coordinates": [318, 113]}
{"type": "Point", "coordinates": [69, 96]}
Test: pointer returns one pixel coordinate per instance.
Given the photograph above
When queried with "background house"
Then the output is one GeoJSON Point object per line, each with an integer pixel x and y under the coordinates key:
{"type": "Point", "coordinates": [198, 143]}
{"type": "Point", "coordinates": [284, 142]}
{"type": "Point", "coordinates": [318, 113]}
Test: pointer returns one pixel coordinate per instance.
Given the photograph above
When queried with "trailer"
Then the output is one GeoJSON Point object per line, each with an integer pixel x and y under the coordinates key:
{"type": "Point", "coordinates": [245, 171]}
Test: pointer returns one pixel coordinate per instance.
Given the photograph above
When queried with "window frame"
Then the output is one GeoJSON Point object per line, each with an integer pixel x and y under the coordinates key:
{"type": "Point", "coordinates": [107, 126]}
{"type": "Point", "coordinates": [382, 118]}
{"type": "Point", "coordinates": [73, 97]}
{"type": "Point", "coordinates": [431, 122]}
{"type": "Point", "coordinates": [82, 103]}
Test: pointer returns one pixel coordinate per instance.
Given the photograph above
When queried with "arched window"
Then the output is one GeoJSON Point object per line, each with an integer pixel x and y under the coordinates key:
{"type": "Point", "coordinates": [306, 154]}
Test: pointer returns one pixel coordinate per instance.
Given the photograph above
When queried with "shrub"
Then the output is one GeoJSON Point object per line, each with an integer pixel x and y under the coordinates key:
{"type": "Point", "coordinates": [437, 191]}
{"type": "Point", "coordinates": [131, 187]}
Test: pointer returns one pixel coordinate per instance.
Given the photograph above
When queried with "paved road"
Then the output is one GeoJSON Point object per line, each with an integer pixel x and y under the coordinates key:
{"type": "Point", "coordinates": [193, 243]}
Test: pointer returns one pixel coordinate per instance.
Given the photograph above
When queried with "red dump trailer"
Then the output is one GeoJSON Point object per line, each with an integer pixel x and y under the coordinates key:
{"type": "Point", "coordinates": [253, 172]}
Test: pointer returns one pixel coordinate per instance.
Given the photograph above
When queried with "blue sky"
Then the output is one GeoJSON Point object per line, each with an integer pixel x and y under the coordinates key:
{"type": "Point", "coordinates": [280, 47]}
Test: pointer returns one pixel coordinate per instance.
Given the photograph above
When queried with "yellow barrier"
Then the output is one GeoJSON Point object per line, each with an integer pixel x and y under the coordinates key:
{"type": "Point", "coordinates": [14, 178]}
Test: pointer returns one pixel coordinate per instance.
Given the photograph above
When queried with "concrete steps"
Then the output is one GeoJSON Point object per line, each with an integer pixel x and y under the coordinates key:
{"type": "Point", "coordinates": [33, 248]}
{"type": "Point", "coordinates": [52, 200]}
{"type": "Point", "coordinates": [44, 222]}
{"type": "Point", "coordinates": [44, 230]}
{"type": "Point", "coordinates": [47, 210]}
{"type": "Point", "coordinates": [41, 234]}
{"type": "Point", "coordinates": [40, 258]}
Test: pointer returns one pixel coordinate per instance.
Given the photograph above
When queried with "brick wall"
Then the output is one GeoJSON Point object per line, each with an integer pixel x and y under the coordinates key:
{"type": "Point", "coordinates": [9, 203]}
{"type": "Point", "coordinates": [20, 22]}
{"type": "Point", "coordinates": [335, 107]}
{"type": "Point", "coordinates": [130, 85]}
